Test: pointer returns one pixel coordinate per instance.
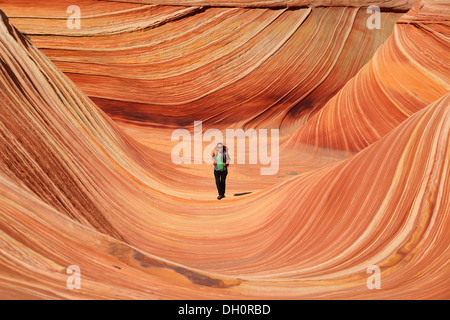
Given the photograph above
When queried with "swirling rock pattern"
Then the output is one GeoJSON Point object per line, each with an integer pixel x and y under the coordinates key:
{"type": "Point", "coordinates": [79, 187]}
{"type": "Point", "coordinates": [277, 66]}
{"type": "Point", "coordinates": [407, 73]}
{"type": "Point", "coordinates": [386, 4]}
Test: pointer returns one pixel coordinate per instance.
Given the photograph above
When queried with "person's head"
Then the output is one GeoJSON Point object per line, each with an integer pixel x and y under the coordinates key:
{"type": "Point", "coordinates": [220, 146]}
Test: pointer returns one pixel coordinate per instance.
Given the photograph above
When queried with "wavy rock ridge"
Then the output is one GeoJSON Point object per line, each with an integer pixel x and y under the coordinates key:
{"type": "Point", "coordinates": [143, 234]}
{"type": "Point", "coordinates": [386, 4]}
{"type": "Point", "coordinates": [407, 73]}
{"type": "Point", "coordinates": [203, 65]}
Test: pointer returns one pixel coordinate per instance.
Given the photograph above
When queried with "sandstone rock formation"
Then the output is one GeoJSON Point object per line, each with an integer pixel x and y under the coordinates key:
{"type": "Point", "coordinates": [86, 177]}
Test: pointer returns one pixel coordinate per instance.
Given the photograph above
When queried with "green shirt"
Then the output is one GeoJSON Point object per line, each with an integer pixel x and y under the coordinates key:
{"type": "Point", "coordinates": [219, 162]}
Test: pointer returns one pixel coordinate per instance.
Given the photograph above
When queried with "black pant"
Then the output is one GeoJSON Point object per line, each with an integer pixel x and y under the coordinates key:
{"type": "Point", "coordinates": [220, 181]}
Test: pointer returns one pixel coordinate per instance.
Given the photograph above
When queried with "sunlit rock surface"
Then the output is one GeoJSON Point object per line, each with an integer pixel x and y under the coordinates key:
{"type": "Point", "coordinates": [408, 72]}
{"type": "Point", "coordinates": [171, 65]}
{"type": "Point", "coordinates": [86, 176]}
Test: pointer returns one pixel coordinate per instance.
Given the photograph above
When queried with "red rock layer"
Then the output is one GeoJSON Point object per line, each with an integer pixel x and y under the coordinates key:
{"type": "Point", "coordinates": [75, 189]}
{"type": "Point", "coordinates": [408, 72]}
{"type": "Point", "coordinates": [386, 4]}
{"type": "Point", "coordinates": [169, 66]}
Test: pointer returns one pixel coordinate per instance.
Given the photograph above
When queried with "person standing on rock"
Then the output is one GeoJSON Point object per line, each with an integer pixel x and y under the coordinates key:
{"type": "Point", "coordinates": [221, 160]}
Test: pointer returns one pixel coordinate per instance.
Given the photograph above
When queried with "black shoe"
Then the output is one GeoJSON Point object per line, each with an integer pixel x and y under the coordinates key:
{"type": "Point", "coordinates": [219, 197]}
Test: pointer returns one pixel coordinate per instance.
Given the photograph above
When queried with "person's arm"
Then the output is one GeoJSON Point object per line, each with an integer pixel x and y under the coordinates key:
{"type": "Point", "coordinates": [228, 159]}
{"type": "Point", "coordinates": [213, 159]}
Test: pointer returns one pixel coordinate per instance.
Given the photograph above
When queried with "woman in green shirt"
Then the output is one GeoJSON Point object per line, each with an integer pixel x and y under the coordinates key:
{"type": "Point", "coordinates": [221, 161]}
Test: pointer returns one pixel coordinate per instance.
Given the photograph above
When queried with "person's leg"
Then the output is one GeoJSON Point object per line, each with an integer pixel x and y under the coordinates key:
{"type": "Point", "coordinates": [218, 184]}
{"type": "Point", "coordinates": [222, 182]}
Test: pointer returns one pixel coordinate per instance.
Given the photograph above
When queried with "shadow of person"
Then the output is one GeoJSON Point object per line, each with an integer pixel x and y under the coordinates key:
{"type": "Point", "coordinates": [241, 194]}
